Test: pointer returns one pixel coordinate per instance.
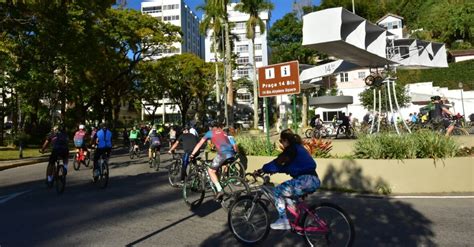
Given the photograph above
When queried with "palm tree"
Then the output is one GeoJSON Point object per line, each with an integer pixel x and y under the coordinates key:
{"type": "Point", "coordinates": [212, 21]}
{"type": "Point", "coordinates": [253, 8]}
{"type": "Point", "coordinates": [216, 15]}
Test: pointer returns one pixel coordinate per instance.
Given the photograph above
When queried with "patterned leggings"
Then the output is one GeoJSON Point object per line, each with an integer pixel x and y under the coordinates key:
{"type": "Point", "coordinates": [294, 187]}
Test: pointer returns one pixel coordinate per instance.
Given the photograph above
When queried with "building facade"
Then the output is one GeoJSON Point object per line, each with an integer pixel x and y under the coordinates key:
{"type": "Point", "coordinates": [393, 23]}
{"type": "Point", "coordinates": [179, 14]}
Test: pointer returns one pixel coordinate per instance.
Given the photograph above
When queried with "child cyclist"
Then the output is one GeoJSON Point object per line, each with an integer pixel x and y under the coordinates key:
{"type": "Point", "coordinates": [296, 161]}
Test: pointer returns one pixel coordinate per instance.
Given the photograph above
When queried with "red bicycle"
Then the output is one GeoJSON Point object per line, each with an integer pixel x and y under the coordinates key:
{"type": "Point", "coordinates": [323, 224]}
{"type": "Point", "coordinates": [81, 158]}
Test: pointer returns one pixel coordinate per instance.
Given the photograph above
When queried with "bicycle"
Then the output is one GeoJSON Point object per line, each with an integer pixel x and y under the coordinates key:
{"type": "Point", "coordinates": [81, 158]}
{"type": "Point", "coordinates": [156, 159]}
{"type": "Point", "coordinates": [323, 224]}
{"type": "Point", "coordinates": [59, 175]}
{"type": "Point", "coordinates": [101, 172]}
{"type": "Point", "coordinates": [134, 150]}
{"type": "Point", "coordinates": [234, 169]}
{"type": "Point", "coordinates": [348, 132]}
{"type": "Point", "coordinates": [198, 182]}
{"type": "Point", "coordinates": [175, 169]}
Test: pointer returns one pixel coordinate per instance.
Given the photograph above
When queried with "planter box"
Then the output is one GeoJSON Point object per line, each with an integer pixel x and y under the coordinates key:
{"type": "Point", "coordinates": [393, 176]}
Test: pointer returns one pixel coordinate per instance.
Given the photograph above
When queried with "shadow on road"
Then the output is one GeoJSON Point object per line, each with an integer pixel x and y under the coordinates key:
{"type": "Point", "coordinates": [378, 222]}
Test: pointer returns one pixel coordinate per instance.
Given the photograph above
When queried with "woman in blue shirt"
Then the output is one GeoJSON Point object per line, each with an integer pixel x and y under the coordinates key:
{"type": "Point", "coordinates": [296, 161]}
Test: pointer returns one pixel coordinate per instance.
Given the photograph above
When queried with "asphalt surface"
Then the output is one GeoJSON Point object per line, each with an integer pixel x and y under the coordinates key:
{"type": "Point", "coordinates": [139, 208]}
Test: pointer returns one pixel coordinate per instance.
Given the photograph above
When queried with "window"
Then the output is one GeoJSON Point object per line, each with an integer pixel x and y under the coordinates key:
{"type": "Point", "coordinates": [328, 115]}
{"type": "Point", "coordinates": [361, 75]}
{"type": "Point", "coordinates": [389, 26]}
{"type": "Point", "coordinates": [258, 47]}
{"type": "Point", "coordinates": [171, 18]}
{"type": "Point", "coordinates": [149, 10]}
{"type": "Point", "coordinates": [343, 77]}
{"type": "Point", "coordinates": [242, 48]}
{"type": "Point", "coordinates": [242, 72]}
{"type": "Point", "coordinates": [258, 58]}
{"type": "Point", "coordinates": [240, 25]}
{"type": "Point", "coordinates": [243, 60]}
{"type": "Point", "coordinates": [241, 37]}
{"type": "Point", "coordinates": [395, 25]}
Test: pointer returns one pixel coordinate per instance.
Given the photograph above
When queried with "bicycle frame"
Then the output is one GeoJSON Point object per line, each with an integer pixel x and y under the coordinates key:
{"type": "Point", "coordinates": [300, 206]}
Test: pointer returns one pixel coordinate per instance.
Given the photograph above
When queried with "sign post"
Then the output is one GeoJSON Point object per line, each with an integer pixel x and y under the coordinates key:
{"type": "Point", "coordinates": [278, 79]}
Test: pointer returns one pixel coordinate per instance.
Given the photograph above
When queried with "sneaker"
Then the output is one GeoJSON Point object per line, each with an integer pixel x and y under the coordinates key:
{"type": "Point", "coordinates": [281, 224]}
{"type": "Point", "coordinates": [219, 195]}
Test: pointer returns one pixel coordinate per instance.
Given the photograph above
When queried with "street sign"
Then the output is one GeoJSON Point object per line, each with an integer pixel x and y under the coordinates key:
{"type": "Point", "coordinates": [279, 79]}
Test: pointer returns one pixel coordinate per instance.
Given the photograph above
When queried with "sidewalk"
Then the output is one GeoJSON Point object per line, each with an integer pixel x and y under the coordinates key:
{"type": "Point", "coordinates": [7, 164]}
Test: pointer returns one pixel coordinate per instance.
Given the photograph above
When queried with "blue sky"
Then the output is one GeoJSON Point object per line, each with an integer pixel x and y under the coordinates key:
{"type": "Point", "coordinates": [282, 7]}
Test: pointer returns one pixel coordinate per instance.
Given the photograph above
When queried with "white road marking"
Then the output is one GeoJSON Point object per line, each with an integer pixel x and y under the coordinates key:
{"type": "Point", "coordinates": [6, 198]}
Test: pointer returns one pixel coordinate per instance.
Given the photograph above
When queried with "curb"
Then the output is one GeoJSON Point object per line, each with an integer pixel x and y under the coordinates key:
{"type": "Point", "coordinates": [24, 163]}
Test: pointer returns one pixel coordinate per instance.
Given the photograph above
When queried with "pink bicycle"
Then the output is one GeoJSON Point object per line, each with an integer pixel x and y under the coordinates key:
{"type": "Point", "coordinates": [324, 224]}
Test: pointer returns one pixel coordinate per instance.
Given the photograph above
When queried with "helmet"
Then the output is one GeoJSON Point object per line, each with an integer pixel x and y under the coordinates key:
{"type": "Point", "coordinates": [81, 127]}
{"type": "Point", "coordinates": [435, 97]}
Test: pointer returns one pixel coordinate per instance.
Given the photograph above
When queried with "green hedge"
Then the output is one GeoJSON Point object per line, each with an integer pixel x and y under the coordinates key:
{"type": "Point", "coordinates": [255, 146]}
{"type": "Point", "coordinates": [424, 144]}
{"type": "Point", "coordinates": [443, 77]}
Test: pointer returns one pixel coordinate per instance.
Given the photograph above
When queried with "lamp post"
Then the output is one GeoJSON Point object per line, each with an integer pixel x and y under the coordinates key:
{"type": "Point", "coordinates": [460, 85]}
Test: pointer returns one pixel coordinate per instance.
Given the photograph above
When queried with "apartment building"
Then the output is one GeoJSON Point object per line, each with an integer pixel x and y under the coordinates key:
{"type": "Point", "coordinates": [179, 14]}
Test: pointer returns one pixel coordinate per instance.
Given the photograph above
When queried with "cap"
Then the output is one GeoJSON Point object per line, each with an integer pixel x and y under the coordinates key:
{"type": "Point", "coordinates": [81, 126]}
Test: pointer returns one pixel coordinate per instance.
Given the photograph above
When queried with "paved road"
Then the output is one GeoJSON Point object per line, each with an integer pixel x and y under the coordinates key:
{"type": "Point", "coordinates": [139, 208]}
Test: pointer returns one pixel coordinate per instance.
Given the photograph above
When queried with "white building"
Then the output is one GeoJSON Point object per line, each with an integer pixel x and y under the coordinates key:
{"type": "Point", "coordinates": [179, 14]}
{"type": "Point", "coordinates": [392, 23]}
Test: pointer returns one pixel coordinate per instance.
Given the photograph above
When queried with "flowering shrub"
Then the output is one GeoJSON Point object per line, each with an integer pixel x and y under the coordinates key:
{"type": "Point", "coordinates": [318, 147]}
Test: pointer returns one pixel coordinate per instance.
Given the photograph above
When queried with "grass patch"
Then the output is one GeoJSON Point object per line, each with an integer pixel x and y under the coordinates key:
{"type": "Point", "coordinates": [13, 153]}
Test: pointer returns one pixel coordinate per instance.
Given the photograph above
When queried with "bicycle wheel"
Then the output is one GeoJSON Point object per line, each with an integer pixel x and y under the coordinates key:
{"type": "Point", "coordinates": [457, 131]}
{"type": "Point", "coordinates": [49, 185]}
{"type": "Point", "coordinates": [60, 178]}
{"type": "Point", "coordinates": [132, 153]}
{"type": "Point", "coordinates": [236, 169]}
{"type": "Point", "coordinates": [249, 222]}
{"type": "Point", "coordinates": [104, 174]}
{"type": "Point", "coordinates": [194, 189]}
{"type": "Point", "coordinates": [75, 163]}
{"type": "Point", "coordinates": [87, 159]}
{"type": "Point", "coordinates": [308, 133]}
{"type": "Point", "coordinates": [174, 173]}
{"type": "Point", "coordinates": [233, 188]}
{"type": "Point", "coordinates": [137, 153]}
{"type": "Point", "coordinates": [328, 225]}
{"type": "Point", "coordinates": [157, 161]}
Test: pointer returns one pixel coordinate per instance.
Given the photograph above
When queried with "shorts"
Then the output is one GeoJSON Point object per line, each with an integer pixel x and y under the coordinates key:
{"type": "Point", "coordinates": [219, 160]}
{"type": "Point", "coordinates": [154, 146]}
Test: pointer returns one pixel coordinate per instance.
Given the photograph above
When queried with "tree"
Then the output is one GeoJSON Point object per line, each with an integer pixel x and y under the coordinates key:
{"type": "Point", "coordinates": [285, 38]}
{"type": "Point", "coordinates": [254, 8]}
{"type": "Point", "coordinates": [189, 80]}
{"type": "Point", "coordinates": [367, 97]}
{"type": "Point", "coordinates": [151, 83]}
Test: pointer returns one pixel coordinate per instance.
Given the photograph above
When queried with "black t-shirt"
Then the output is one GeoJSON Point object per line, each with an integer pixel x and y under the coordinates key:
{"type": "Point", "coordinates": [436, 112]}
{"type": "Point", "coordinates": [188, 141]}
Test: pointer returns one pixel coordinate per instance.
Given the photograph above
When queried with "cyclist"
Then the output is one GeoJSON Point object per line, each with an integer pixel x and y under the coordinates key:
{"type": "Point", "coordinates": [225, 151]}
{"type": "Point", "coordinates": [59, 141]}
{"type": "Point", "coordinates": [155, 143]}
{"type": "Point", "coordinates": [346, 121]}
{"type": "Point", "coordinates": [296, 161]}
{"type": "Point", "coordinates": [172, 135]}
{"type": "Point", "coordinates": [438, 114]}
{"type": "Point", "coordinates": [80, 140]}
{"type": "Point", "coordinates": [103, 139]}
{"type": "Point", "coordinates": [134, 137]}
{"type": "Point", "coordinates": [189, 141]}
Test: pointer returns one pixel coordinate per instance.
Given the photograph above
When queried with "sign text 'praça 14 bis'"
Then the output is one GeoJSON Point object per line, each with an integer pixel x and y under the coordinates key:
{"type": "Point", "coordinates": [279, 79]}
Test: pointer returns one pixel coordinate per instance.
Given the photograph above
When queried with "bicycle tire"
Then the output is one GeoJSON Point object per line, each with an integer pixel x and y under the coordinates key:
{"type": "Point", "coordinates": [194, 189]}
{"type": "Point", "coordinates": [103, 174]}
{"type": "Point", "coordinates": [75, 163]}
{"type": "Point", "coordinates": [236, 169]}
{"type": "Point", "coordinates": [174, 173]}
{"type": "Point", "coordinates": [308, 133]}
{"type": "Point", "coordinates": [60, 177]}
{"type": "Point", "coordinates": [132, 153]}
{"type": "Point", "coordinates": [157, 161]}
{"type": "Point", "coordinates": [87, 159]}
{"type": "Point", "coordinates": [49, 184]}
{"type": "Point", "coordinates": [252, 230]}
{"type": "Point", "coordinates": [458, 131]}
{"type": "Point", "coordinates": [233, 188]}
{"type": "Point", "coordinates": [341, 229]}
